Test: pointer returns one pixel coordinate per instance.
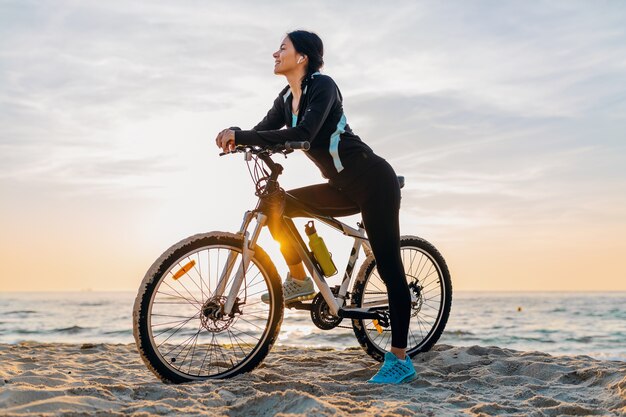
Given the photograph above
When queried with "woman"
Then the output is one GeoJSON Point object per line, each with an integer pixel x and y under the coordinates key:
{"type": "Point", "coordinates": [311, 107]}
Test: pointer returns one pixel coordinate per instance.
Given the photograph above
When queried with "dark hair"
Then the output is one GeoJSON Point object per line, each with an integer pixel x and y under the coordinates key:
{"type": "Point", "coordinates": [309, 44]}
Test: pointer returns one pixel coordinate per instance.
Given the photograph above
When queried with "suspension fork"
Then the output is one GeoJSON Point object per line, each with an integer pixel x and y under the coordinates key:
{"type": "Point", "coordinates": [247, 252]}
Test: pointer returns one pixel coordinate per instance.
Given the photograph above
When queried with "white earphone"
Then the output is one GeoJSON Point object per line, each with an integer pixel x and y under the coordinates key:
{"type": "Point", "coordinates": [299, 60]}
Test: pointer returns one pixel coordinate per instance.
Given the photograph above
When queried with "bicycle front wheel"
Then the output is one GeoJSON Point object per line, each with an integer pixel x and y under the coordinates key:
{"type": "Point", "coordinates": [179, 324]}
{"type": "Point", "coordinates": [431, 292]}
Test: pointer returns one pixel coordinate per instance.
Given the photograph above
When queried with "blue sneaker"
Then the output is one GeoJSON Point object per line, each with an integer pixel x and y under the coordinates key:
{"type": "Point", "coordinates": [394, 371]}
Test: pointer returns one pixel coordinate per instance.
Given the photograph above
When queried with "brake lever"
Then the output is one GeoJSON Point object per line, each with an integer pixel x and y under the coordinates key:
{"type": "Point", "coordinates": [238, 148]}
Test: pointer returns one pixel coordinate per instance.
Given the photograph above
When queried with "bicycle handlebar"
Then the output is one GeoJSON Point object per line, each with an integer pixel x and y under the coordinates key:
{"type": "Point", "coordinates": [264, 153]}
{"type": "Point", "coordinates": [287, 147]}
{"type": "Point", "coordinates": [305, 145]}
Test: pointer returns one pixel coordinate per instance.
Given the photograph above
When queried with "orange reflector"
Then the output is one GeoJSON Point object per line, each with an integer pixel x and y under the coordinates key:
{"type": "Point", "coordinates": [182, 271]}
{"type": "Point", "coordinates": [378, 326]}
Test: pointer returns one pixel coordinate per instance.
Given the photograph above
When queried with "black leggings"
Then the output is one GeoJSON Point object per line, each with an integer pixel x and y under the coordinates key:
{"type": "Point", "coordinates": [377, 194]}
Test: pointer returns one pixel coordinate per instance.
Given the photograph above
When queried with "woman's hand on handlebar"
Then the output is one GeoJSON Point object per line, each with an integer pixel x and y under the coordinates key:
{"type": "Point", "coordinates": [226, 140]}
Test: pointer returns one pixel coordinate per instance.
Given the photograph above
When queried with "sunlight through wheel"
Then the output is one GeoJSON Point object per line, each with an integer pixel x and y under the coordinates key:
{"type": "Point", "coordinates": [180, 325]}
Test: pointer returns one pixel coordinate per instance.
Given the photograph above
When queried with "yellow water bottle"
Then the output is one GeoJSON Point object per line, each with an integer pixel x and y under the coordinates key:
{"type": "Point", "coordinates": [318, 247]}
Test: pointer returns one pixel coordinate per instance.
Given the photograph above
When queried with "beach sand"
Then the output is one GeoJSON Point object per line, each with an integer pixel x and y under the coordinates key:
{"type": "Point", "coordinates": [111, 380]}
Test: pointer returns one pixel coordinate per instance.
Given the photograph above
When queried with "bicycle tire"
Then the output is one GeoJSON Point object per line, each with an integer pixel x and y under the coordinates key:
{"type": "Point", "coordinates": [365, 330]}
{"type": "Point", "coordinates": [189, 253]}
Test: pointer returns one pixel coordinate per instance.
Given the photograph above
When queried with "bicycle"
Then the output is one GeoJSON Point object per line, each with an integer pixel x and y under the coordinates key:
{"type": "Point", "coordinates": [198, 313]}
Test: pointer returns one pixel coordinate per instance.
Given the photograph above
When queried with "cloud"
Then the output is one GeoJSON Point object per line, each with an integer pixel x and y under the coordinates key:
{"type": "Point", "coordinates": [544, 59]}
{"type": "Point", "coordinates": [470, 166]}
{"type": "Point", "coordinates": [507, 118]}
{"type": "Point", "coordinates": [465, 99]}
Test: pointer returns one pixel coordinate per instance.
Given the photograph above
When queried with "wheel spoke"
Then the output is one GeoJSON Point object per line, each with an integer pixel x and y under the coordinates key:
{"type": "Point", "coordinates": [183, 344]}
{"type": "Point", "coordinates": [249, 322]}
{"type": "Point", "coordinates": [179, 296]}
{"type": "Point", "coordinates": [422, 269]}
{"type": "Point", "coordinates": [195, 267]}
{"type": "Point", "coordinates": [178, 328]}
{"type": "Point", "coordinates": [214, 345]}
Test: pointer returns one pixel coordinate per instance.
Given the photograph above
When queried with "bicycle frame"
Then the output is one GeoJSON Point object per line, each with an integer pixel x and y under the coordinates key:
{"type": "Point", "coordinates": [273, 201]}
{"type": "Point", "coordinates": [334, 302]}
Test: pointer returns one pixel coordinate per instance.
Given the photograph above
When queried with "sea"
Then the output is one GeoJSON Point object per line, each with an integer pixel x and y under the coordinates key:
{"type": "Point", "coordinates": [559, 323]}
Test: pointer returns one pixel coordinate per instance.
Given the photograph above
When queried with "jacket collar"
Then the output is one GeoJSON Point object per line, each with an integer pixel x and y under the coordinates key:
{"type": "Point", "coordinates": [306, 87]}
{"type": "Point", "coordinates": [304, 91]}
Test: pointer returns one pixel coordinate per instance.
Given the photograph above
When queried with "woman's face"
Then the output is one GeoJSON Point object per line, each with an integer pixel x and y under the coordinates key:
{"type": "Point", "coordinates": [286, 58]}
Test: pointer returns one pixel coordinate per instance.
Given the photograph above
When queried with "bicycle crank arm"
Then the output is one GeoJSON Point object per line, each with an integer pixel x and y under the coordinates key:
{"type": "Point", "coordinates": [375, 313]}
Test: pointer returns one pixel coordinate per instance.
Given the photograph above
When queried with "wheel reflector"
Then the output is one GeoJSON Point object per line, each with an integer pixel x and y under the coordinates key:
{"type": "Point", "coordinates": [378, 326]}
{"type": "Point", "coordinates": [182, 271]}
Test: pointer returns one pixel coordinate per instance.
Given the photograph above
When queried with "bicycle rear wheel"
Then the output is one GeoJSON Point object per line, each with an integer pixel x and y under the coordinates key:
{"type": "Point", "coordinates": [178, 321]}
{"type": "Point", "coordinates": [431, 290]}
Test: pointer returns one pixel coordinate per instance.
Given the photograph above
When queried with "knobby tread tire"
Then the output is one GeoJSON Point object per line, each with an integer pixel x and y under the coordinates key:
{"type": "Point", "coordinates": [359, 285]}
{"type": "Point", "coordinates": [151, 281]}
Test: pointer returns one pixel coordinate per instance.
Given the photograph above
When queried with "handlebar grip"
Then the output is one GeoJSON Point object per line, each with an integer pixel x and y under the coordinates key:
{"type": "Point", "coordinates": [305, 146]}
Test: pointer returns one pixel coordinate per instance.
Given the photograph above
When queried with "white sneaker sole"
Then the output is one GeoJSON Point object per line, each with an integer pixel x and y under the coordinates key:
{"type": "Point", "coordinates": [300, 298]}
{"type": "Point", "coordinates": [296, 299]}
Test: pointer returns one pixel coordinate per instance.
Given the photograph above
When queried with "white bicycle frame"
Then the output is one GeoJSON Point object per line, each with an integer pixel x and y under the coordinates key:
{"type": "Point", "coordinates": [334, 302]}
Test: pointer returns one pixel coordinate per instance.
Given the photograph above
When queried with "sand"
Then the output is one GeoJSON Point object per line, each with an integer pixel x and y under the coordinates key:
{"type": "Point", "coordinates": [110, 380]}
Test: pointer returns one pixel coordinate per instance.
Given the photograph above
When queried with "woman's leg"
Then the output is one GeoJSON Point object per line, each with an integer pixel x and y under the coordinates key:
{"type": "Point", "coordinates": [320, 196]}
{"type": "Point", "coordinates": [293, 260]}
{"type": "Point", "coordinates": [378, 195]}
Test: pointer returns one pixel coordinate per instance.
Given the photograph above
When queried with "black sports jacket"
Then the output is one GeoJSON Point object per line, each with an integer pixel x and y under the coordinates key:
{"type": "Point", "coordinates": [335, 149]}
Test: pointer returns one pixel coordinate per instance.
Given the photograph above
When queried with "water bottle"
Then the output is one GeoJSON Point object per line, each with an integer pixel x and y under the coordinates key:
{"type": "Point", "coordinates": [320, 252]}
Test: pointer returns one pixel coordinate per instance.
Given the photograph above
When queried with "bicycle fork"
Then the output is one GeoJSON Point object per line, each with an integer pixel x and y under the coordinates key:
{"type": "Point", "coordinates": [247, 252]}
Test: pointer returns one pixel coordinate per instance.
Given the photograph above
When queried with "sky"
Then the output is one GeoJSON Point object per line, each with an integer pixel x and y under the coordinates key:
{"type": "Point", "coordinates": [507, 119]}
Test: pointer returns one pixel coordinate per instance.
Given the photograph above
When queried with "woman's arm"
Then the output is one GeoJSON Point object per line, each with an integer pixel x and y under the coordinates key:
{"type": "Point", "coordinates": [322, 98]}
{"type": "Point", "coordinates": [275, 118]}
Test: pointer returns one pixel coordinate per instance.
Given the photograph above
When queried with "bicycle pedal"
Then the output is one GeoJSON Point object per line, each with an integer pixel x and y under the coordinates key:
{"type": "Point", "coordinates": [298, 304]}
{"type": "Point", "coordinates": [302, 298]}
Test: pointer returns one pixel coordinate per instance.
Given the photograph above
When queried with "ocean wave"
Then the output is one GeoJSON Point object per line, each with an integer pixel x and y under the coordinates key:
{"type": "Point", "coordinates": [609, 356]}
{"type": "Point", "coordinates": [459, 333]}
{"type": "Point", "coordinates": [582, 339]}
{"type": "Point", "coordinates": [547, 331]}
{"type": "Point", "coordinates": [530, 339]}
{"type": "Point", "coordinates": [24, 331]}
{"type": "Point", "coordinates": [70, 330]}
{"type": "Point", "coordinates": [120, 332]}
{"type": "Point", "coordinates": [21, 312]}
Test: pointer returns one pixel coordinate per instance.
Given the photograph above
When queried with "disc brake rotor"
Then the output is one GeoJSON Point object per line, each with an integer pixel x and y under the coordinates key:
{"type": "Point", "coordinates": [212, 316]}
